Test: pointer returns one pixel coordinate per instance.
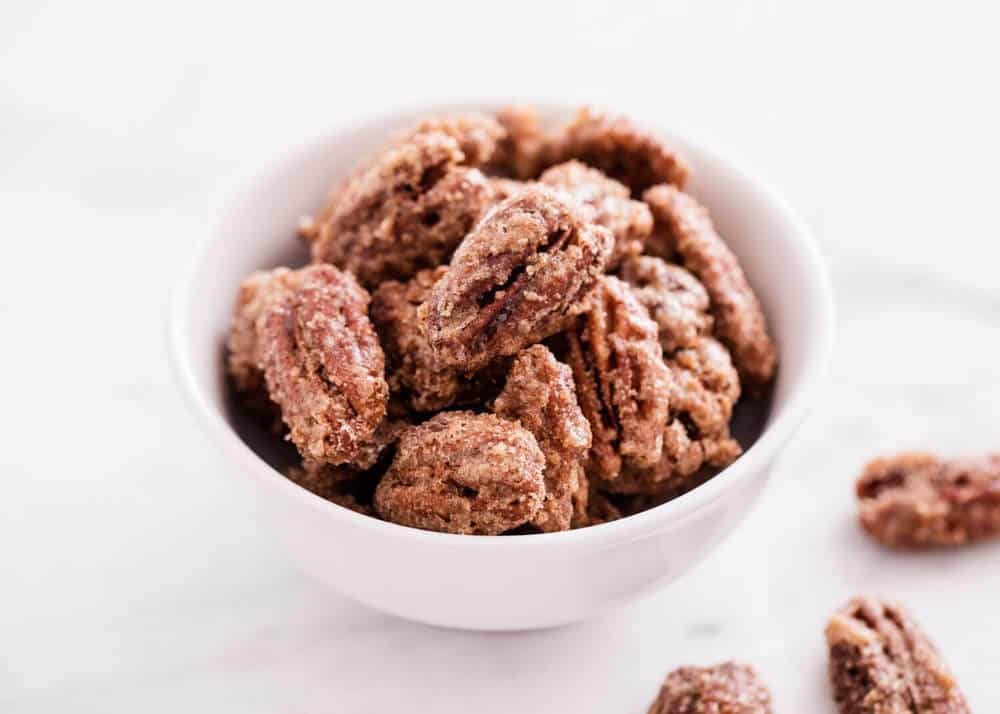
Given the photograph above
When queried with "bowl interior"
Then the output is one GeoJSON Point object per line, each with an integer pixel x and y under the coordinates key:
{"type": "Point", "coordinates": [259, 233]}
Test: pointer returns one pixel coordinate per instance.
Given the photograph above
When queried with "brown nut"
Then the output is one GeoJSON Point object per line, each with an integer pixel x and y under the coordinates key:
{"type": "Point", "coordinates": [630, 222]}
{"type": "Point", "coordinates": [463, 473]}
{"type": "Point", "coordinates": [727, 688]}
{"type": "Point", "coordinates": [406, 212]}
{"type": "Point", "coordinates": [617, 147]}
{"type": "Point", "coordinates": [541, 396]}
{"type": "Point", "coordinates": [881, 662]}
{"type": "Point", "coordinates": [704, 388]}
{"type": "Point", "coordinates": [675, 299]}
{"type": "Point", "coordinates": [516, 279]}
{"type": "Point", "coordinates": [323, 365]}
{"type": "Point", "coordinates": [519, 150]}
{"type": "Point", "coordinates": [622, 382]}
{"type": "Point", "coordinates": [915, 500]}
{"type": "Point", "coordinates": [739, 319]}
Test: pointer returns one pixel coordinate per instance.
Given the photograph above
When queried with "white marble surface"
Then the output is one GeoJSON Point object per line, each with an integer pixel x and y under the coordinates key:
{"type": "Point", "coordinates": [130, 581]}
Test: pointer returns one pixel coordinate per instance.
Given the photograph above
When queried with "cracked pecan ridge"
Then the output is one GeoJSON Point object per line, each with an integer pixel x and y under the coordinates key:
{"type": "Point", "coordinates": [323, 365]}
{"type": "Point", "coordinates": [461, 472]}
{"type": "Point", "coordinates": [404, 213]}
{"type": "Point", "coordinates": [727, 688]}
{"type": "Point", "coordinates": [541, 396]}
{"type": "Point", "coordinates": [622, 382]}
{"type": "Point", "coordinates": [915, 500]}
{"type": "Point", "coordinates": [739, 318]}
{"type": "Point", "coordinates": [881, 662]}
{"type": "Point", "coordinates": [617, 147]}
{"type": "Point", "coordinates": [517, 278]}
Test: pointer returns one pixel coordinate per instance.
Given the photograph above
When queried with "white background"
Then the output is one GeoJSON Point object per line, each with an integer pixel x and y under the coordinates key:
{"type": "Point", "coordinates": [129, 578]}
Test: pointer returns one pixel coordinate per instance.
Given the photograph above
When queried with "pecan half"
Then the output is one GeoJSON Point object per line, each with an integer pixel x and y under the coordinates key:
{"type": "Point", "coordinates": [622, 382]}
{"type": "Point", "coordinates": [406, 212]}
{"type": "Point", "coordinates": [541, 396]}
{"type": "Point", "coordinates": [881, 662]}
{"type": "Point", "coordinates": [619, 148]}
{"type": "Point", "coordinates": [739, 319]}
{"type": "Point", "coordinates": [630, 222]}
{"type": "Point", "coordinates": [323, 365]}
{"type": "Point", "coordinates": [727, 688]}
{"type": "Point", "coordinates": [913, 500]}
{"type": "Point", "coordinates": [676, 300]}
{"type": "Point", "coordinates": [463, 473]}
{"type": "Point", "coordinates": [517, 278]}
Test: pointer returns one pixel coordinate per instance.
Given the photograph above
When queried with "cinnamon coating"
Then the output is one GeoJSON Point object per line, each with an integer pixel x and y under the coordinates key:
{"type": "Point", "coordinates": [739, 318]}
{"type": "Point", "coordinates": [704, 388]}
{"type": "Point", "coordinates": [478, 135]}
{"type": "Point", "coordinates": [517, 278]}
{"type": "Point", "coordinates": [519, 150]}
{"type": "Point", "coordinates": [675, 299]}
{"type": "Point", "coordinates": [406, 212]}
{"type": "Point", "coordinates": [915, 500]}
{"type": "Point", "coordinates": [727, 688]}
{"type": "Point", "coordinates": [619, 148]}
{"type": "Point", "coordinates": [541, 396]}
{"type": "Point", "coordinates": [881, 662]}
{"type": "Point", "coordinates": [622, 382]}
{"type": "Point", "coordinates": [461, 472]}
{"type": "Point", "coordinates": [630, 222]}
{"type": "Point", "coordinates": [323, 365]}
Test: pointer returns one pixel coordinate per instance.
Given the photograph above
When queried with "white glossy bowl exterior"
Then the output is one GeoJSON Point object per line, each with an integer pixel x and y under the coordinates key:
{"type": "Point", "coordinates": [499, 583]}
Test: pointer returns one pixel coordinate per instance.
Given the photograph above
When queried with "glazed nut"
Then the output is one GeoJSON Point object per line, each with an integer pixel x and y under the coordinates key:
{"type": "Point", "coordinates": [323, 365]}
{"type": "Point", "coordinates": [460, 472]}
{"type": "Point", "coordinates": [915, 500]}
{"type": "Point", "coordinates": [727, 688]}
{"type": "Point", "coordinates": [881, 662]}
{"type": "Point", "coordinates": [517, 278]}
{"type": "Point", "coordinates": [540, 395]}
{"type": "Point", "coordinates": [622, 382]}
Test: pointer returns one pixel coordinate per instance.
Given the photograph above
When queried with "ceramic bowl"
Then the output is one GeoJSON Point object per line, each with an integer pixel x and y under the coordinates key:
{"type": "Point", "coordinates": [500, 582]}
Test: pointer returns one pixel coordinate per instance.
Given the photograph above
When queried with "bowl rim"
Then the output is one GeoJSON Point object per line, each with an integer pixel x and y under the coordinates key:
{"type": "Point", "coordinates": [818, 341]}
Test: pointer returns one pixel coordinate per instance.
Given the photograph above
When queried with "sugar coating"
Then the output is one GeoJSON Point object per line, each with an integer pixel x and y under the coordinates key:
{"type": "Point", "coordinates": [881, 662]}
{"type": "Point", "coordinates": [461, 472]}
{"type": "Point", "coordinates": [915, 499]}
{"type": "Point", "coordinates": [676, 300]}
{"type": "Point", "coordinates": [727, 688]}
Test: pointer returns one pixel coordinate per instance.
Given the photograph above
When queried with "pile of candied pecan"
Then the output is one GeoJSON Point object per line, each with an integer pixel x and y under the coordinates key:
{"type": "Point", "coordinates": [505, 328]}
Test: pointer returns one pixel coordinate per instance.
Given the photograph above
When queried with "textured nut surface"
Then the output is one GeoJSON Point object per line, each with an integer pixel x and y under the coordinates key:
{"type": "Point", "coordinates": [540, 394]}
{"type": "Point", "coordinates": [463, 473]}
{"type": "Point", "coordinates": [478, 135]}
{"type": "Point", "coordinates": [337, 484]}
{"type": "Point", "coordinates": [515, 279]}
{"type": "Point", "coordinates": [676, 300]}
{"type": "Point", "coordinates": [630, 222]}
{"type": "Point", "coordinates": [727, 688]}
{"type": "Point", "coordinates": [518, 152]}
{"type": "Point", "coordinates": [622, 382]}
{"type": "Point", "coordinates": [881, 662]}
{"type": "Point", "coordinates": [619, 148]}
{"type": "Point", "coordinates": [914, 500]}
{"type": "Point", "coordinates": [406, 212]}
{"type": "Point", "coordinates": [739, 319]}
{"type": "Point", "coordinates": [323, 365]}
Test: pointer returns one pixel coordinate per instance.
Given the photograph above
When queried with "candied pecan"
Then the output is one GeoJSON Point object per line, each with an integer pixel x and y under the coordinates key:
{"type": "Point", "coordinates": [617, 147]}
{"type": "Point", "coordinates": [504, 188]}
{"type": "Point", "coordinates": [703, 389]}
{"type": "Point", "coordinates": [478, 135]}
{"type": "Point", "coordinates": [517, 278]}
{"type": "Point", "coordinates": [463, 473]}
{"type": "Point", "coordinates": [675, 299]}
{"type": "Point", "coordinates": [881, 662]}
{"type": "Point", "coordinates": [518, 152]}
{"type": "Point", "coordinates": [338, 484]}
{"type": "Point", "coordinates": [541, 396]}
{"type": "Point", "coordinates": [622, 382]}
{"type": "Point", "coordinates": [630, 222]}
{"type": "Point", "coordinates": [727, 688]}
{"type": "Point", "coordinates": [407, 211]}
{"type": "Point", "coordinates": [914, 500]}
{"type": "Point", "coordinates": [598, 509]}
{"type": "Point", "coordinates": [739, 319]}
{"type": "Point", "coordinates": [323, 365]}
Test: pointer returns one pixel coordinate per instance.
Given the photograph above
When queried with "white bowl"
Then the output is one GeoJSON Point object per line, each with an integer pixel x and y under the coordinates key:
{"type": "Point", "coordinates": [499, 583]}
